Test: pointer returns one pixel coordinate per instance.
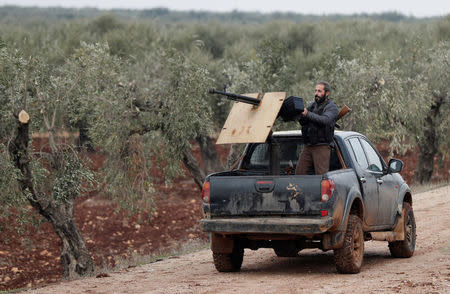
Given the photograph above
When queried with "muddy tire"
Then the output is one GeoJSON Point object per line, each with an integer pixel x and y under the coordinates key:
{"type": "Point", "coordinates": [349, 257]}
{"type": "Point", "coordinates": [405, 248]}
{"type": "Point", "coordinates": [229, 262]}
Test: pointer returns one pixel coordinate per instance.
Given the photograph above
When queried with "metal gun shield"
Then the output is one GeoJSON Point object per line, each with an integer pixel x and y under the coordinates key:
{"type": "Point", "coordinates": [251, 124]}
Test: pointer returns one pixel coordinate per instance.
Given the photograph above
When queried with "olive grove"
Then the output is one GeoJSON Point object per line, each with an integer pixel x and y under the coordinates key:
{"type": "Point", "coordinates": [136, 91]}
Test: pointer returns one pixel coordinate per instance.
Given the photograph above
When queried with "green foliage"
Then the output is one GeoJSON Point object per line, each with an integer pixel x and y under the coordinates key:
{"type": "Point", "coordinates": [303, 37]}
{"type": "Point", "coordinates": [97, 74]}
{"type": "Point", "coordinates": [104, 23]}
{"type": "Point", "coordinates": [436, 73]}
{"type": "Point", "coordinates": [43, 91]}
{"type": "Point", "coordinates": [183, 111]}
{"type": "Point", "coordinates": [377, 93]}
{"type": "Point", "coordinates": [267, 72]}
{"type": "Point", "coordinates": [443, 29]}
{"type": "Point", "coordinates": [14, 71]}
{"type": "Point", "coordinates": [9, 190]}
{"type": "Point", "coordinates": [213, 37]}
{"type": "Point", "coordinates": [135, 83]}
{"type": "Point", "coordinates": [169, 16]}
{"type": "Point", "coordinates": [151, 125]}
{"type": "Point", "coordinates": [71, 178]}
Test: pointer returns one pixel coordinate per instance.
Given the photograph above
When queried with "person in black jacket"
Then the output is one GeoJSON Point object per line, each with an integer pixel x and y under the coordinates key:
{"type": "Point", "coordinates": [317, 121]}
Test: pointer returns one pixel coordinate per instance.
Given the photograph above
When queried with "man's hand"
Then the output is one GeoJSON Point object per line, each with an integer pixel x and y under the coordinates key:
{"type": "Point", "coordinates": [305, 111]}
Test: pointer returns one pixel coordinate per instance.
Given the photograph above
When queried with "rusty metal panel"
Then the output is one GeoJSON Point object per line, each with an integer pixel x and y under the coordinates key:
{"type": "Point", "coordinates": [251, 124]}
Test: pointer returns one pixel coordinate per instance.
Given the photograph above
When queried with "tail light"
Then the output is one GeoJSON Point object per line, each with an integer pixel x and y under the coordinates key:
{"type": "Point", "coordinates": [206, 192]}
{"type": "Point", "coordinates": [326, 189]}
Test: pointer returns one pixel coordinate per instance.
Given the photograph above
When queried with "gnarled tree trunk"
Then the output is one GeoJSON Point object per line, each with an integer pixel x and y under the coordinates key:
{"type": "Point", "coordinates": [234, 155]}
{"type": "Point", "coordinates": [210, 160]}
{"type": "Point", "coordinates": [429, 144]}
{"type": "Point", "coordinates": [75, 258]}
{"type": "Point", "coordinates": [194, 168]}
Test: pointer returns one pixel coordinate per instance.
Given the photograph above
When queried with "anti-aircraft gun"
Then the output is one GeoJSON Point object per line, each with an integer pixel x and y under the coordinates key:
{"type": "Point", "coordinates": [251, 118]}
{"type": "Point", "coordinates": [290, 110]}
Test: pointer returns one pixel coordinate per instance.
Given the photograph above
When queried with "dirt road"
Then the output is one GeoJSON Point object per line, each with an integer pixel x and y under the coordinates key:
{"type": "Point", "coordinates": [428, 271]}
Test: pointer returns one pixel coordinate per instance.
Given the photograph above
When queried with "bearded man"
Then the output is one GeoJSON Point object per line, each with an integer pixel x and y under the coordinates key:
{"type": "Point", "coordinates": [317, 121]}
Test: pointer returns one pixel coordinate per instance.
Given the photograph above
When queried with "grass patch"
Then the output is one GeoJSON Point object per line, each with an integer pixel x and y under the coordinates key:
{"type": "Point", "coordinates": [420, 188]}
{"type": "Point", "coordinates": [14, 290]}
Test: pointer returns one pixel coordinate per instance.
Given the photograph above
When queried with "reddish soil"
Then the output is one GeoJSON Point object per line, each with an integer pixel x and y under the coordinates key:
{"type": "Point", "coordinates": [410, 159]}
{"type": "Point", "coordinates": [32, 258]}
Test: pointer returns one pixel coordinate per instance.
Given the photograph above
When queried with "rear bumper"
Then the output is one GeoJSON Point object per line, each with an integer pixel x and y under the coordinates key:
{"type": "Point", "coordinates": [271, 225]}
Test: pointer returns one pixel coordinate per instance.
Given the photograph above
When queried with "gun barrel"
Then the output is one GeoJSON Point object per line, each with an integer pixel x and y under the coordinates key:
{"type": "Point", "coordinates": [236, 97]}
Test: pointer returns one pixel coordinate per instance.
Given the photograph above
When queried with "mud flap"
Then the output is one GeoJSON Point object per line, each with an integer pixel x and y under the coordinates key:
{"type": "Point", "coordinates": [398, 234]}
{"type": "Point", "coordinates": [333, 240]}
{"type": "Point", "coordinates": [221, 244]}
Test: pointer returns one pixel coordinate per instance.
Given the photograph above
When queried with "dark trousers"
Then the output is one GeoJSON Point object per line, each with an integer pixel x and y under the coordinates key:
{"type": "Point", "coordinates": [317, 156]}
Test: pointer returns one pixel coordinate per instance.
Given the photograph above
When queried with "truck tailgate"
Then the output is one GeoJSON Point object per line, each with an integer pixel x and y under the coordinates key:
{"type": "Point", "coordinates": [265, 195]}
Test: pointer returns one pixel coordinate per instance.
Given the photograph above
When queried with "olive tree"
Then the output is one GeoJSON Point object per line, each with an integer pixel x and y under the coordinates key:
{"type": "Point", "coordinates": [40, 97]}
{"type": "Point", "coordinates": [435, 70]}
{"type": "Point", "coordinates": [152, 127]}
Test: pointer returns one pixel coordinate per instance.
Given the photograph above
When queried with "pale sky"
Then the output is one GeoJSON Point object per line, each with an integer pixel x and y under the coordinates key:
{"type": "Point", "coordinates": [418, 8]}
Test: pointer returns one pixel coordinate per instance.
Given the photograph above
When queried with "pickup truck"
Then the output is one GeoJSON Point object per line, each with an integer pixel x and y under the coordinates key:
{"type": "Point", "coordinates": [263, 204]}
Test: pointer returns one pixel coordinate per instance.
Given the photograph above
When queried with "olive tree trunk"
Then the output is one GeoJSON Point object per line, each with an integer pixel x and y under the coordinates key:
{"type": "Point", "coordinates": [75, 258]}
{"type": "Point", "coordinates": [194, 168]}
{"type": "Point", "coordinates": [234, 155]}
{"type": "Point", "coordinates": [429, 144]}
{"type": "Point", "coordinates": [210, 160]}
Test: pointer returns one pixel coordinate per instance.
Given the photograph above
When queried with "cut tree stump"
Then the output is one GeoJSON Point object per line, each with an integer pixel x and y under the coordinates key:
{"type": "Point", "coordinates": [24, 117]}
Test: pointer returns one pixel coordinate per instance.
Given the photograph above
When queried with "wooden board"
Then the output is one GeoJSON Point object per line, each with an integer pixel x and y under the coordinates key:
{"type": "Point", "coordinates": [251, 124]}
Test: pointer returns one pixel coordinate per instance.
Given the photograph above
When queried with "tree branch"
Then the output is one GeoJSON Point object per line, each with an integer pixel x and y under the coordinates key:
{"type": "Point", "coordinates": [63, 98]}
{"type": "Point", "coordinates": [193, 167]}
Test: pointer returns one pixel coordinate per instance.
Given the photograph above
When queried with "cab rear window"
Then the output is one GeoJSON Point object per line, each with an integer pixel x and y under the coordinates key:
{"type": "Point", "coordinates": [258, 155]}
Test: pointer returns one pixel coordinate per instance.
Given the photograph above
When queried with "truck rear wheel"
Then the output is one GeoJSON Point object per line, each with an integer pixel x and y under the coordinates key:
{"type": "Point", "coordinates": [405, 248]}
{"type": "Point", "coordinates": [349, 257]}
{"type": "Point", "coordinates": [229, 262]}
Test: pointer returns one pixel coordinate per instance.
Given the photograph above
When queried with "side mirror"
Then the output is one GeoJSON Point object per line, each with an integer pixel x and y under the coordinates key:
{"type": "Point", "coordinates": [395, 166]}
